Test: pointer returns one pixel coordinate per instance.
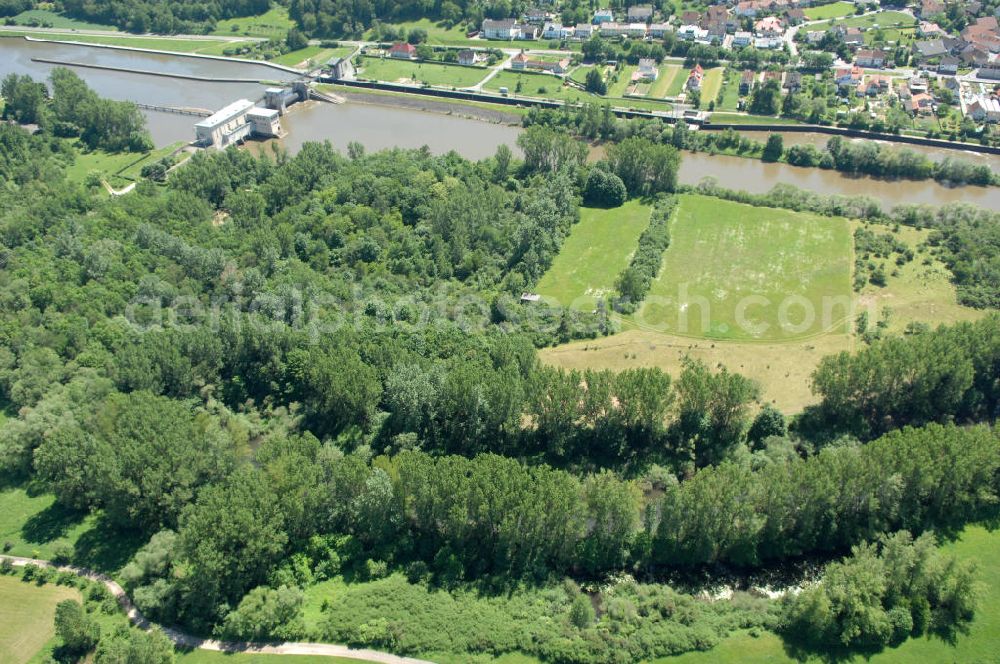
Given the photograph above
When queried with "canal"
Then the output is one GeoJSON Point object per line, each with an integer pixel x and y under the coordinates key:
{"type": "Point", "coordinates": [379, 125]}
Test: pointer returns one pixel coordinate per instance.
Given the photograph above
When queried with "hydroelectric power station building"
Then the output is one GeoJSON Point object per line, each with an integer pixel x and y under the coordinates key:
{"type": "Point", "coordinates": [235, 123]}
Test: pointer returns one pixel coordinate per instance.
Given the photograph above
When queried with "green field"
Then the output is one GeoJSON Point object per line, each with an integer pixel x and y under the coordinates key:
{"type": "Point", "coordinates": [666, 77]}
{"type": "Point", "coordinates": [833, 10]}
{"type": "Point", "coordinates": [119, 168]}
{"type": "Point", "coordinates": [26, 613]}
{"type": "Point", "coordinates": [274, 23]}
{"type": "Point", "coordinates": [546, 86]}
{"type": "Point", "coordinates": [981, 644]}
{"type": "Point", "coordinates": [617, 88]}
{"type": "Point", "coordinates": [711, 84]}
{"type": "Point", "coordinates": [438, 34]}
{"type": "Point", "coordinates": [919, 291]}
{"type": "Point", "coordinates": [35, 526]}
{"type": "Point", "coordinates": [731, 92]}
{"type": "Point", "coordinates": [402, 71]}
{"type": "Point", "coordinates": [597, 250]}
{"type": "Point", "coordinates": [738, 272]}
{"type": "Point", "coordinates": [886, 19]}
{"type": "Point", "coordinates": [676, 85]}
{"type": "Point", "coordinates": [55, 20]}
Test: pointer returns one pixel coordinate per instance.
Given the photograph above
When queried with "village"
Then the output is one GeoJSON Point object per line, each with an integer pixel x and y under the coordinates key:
{"type": "Point", "coordinates": [926, 69]}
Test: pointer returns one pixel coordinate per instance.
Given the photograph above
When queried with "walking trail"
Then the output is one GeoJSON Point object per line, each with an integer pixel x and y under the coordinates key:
{"type": "Point", "coordinates": [189, 641]}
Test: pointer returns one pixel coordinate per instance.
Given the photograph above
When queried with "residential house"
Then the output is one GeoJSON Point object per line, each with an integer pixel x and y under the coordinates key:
{"type": "Point", "coordinates": [930, 30]}
{"type": "Point", "coordinates": [715, 32]}
{"type": "Point", "coordinates": [746, 8]}
{"type": "Point", "coordinates": [984, 109]}
{"type": "Point", "coordinates": [814, 37]}
{"type": "Point", "coordinates": [848, 76]}
{"type": "Point", "coordinates": [583, 31]}
{"type": "Point", "coordinates": [690, 17]}
{"type": "Point", "coordinates": [870, 58]}
{"type": "Point", "coordinates": [505, 29]}
{"type": "Point", "coordinates": [948, 65]}
{"type": "Point", "coordinates": [717, 14]}
{"type": "Point", "coordinates": [920, 103]}
{"type": "Point", "coordinates": [403, 51]}
{"type": "Point", "coordinates": [874, 86]}
{"type": "Point", "coordinates": [931, 48]}
{"type": "Point", "coordinates": [695, 78]}
{"type": "Point", "coordinates": [692, 33]}
{"type": "Point", "coordinates": [795, 16]}
{"type": "Point", "coordinates": [659, 30]}
{"type": "Point", "coordinates": [767, 42]}
{"type": "Point", "coordinates": [647, 71]}
{"type": "Point", "coordinates": [772, 75]}
{"type": "Point", "coordinates": [536, 15]}
{"type": "Point", "coordinates": [984, 33]}
{"type": "Point", "coordinates": [742, 38]}
{"type": "Point", "coordinates": [769, 26]}
{"type": "Point", "coordinates": [603, 16]}
{"type": "Point", "coordinates": [853, 37]}
{"type": "Point", "coordinates": [640, 13]}
{"type": "Point", "coordinates": [522, 61]}
{"type": "Point", "coordinates": [624, 30]}
{"type": "Point", "coordinates": [556, 31]}
{"type": "Point", "coordinates": [468, 57]}
{"type": "Point", "coordinates": [930, 8]}
{"type": "Point", "coordinates": [916, 85]}
{"type": "Point", "coordinates": [793, 81]}
{"type": "Point", "coordinates": [747, 80]}
{"type": "Point", "coordinates": [974, 56]}
{"type": "Point", "coordinates": [991, 72]}
{"type": "Point", "coordinates": [527, 31]}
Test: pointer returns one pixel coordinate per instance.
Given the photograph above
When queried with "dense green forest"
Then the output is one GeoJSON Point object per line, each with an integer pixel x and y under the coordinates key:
{"type": "Point", "coordinates": [276, 370]}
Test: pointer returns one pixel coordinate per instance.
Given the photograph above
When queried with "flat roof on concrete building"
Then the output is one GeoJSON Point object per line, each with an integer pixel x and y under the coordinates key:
{"type": "Point", "coordinates": [225, 113]}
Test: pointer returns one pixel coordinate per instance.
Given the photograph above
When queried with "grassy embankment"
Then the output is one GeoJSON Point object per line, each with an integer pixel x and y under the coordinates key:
{"type": "Point", "coordinates": [388, 95]}
{"type": "Point", "coordinates": [921, 292]}
{"type": "Point", "coordinates": [206, 46]}
{"type": "Point", "coordinates": [597, 250]}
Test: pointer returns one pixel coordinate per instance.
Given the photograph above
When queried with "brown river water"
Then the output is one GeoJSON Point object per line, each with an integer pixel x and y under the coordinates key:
{"type": "Point", "coordinates": [380, 125]}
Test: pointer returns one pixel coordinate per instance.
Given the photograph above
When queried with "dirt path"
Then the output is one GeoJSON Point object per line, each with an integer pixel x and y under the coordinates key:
{"type": "Point", "coordinates": [190, 641]}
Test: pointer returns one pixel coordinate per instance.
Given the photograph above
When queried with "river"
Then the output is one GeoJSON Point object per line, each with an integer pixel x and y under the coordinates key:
{"type": "Point", "coordinates": [379, 125]}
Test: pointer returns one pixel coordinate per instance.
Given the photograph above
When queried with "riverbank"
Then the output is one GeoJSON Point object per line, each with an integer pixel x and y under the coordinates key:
{"type": "Point", "coordinates": [484, 112]}
{"type": "Point", "coordinates": [156, 51]}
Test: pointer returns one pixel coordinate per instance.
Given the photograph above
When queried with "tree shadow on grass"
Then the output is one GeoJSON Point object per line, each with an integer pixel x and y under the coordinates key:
{"type": "Point", "coordinates": [802, 649]}
{"type": "Point", "coordinates": [105, 548]}
{"type": "Point", "coordinates": [50, 524]}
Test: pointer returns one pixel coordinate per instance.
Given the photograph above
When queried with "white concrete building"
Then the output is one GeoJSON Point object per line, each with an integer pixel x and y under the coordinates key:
{"type": "Point", "coordinates": [235, 123]}
{"type": "Point", "coordinates": [225, 127]}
